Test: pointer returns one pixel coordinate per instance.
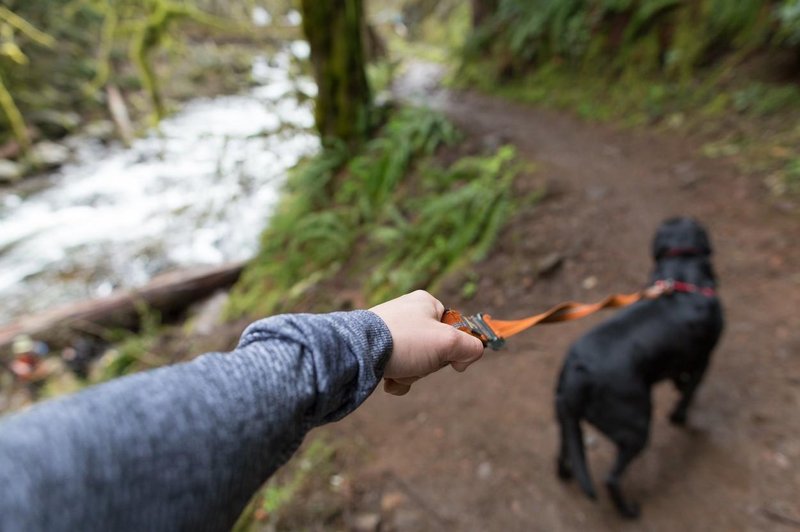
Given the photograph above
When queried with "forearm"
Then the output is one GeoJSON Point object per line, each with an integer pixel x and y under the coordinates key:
{"type": "Point", "coordinates": [184, 447]}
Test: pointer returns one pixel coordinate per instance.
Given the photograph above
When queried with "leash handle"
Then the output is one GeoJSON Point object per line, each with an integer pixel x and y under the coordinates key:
{"type": "Point", "coordinates": [476, 326]}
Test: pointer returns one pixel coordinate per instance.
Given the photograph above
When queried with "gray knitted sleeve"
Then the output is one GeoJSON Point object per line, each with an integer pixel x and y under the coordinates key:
{"type": "Point", "coordinates": [184, 447]}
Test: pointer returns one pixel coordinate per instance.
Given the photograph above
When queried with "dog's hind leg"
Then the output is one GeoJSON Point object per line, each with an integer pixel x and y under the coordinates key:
{"type": "Point", "coordinates": [627, 450]}
{"type": "Point", "coordinates": [563, 467]}
{"type": "Point", "coordinates": [572, 458]}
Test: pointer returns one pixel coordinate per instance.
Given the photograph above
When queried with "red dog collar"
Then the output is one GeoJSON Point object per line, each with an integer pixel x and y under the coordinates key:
{"type": "Point", "coordinates": [669, 286]}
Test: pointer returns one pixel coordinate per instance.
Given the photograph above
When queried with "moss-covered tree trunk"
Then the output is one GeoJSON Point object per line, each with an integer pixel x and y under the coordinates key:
{"type": "Point", "coordinates": [482, 10]}
{"type": "Point", "coordinates": [335, 31]}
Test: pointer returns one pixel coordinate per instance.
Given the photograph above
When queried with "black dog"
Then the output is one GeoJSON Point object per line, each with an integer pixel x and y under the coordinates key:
{"type": "Point", "coordinates": [608, 373]}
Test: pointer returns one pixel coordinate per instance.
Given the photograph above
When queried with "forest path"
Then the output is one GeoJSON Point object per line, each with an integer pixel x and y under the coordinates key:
{"type": "Point", "coordinates": [477, 451]}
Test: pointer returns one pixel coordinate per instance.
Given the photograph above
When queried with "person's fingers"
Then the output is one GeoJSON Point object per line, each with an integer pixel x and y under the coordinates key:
{"type": "Point", "coordinates": [406, 381]}
{"type": "Point", "coordinates": [422, 344]}
{"type": "Point", "coordinates": [464, 349]}
{"type": "Point", "coordinates": [395, 388]}
{"type": "Point", "coordinates": [439, 308]}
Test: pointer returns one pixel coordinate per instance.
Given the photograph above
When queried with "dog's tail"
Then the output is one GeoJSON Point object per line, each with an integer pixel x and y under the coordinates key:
{"type": "Point", "coordinates": [573, 440]}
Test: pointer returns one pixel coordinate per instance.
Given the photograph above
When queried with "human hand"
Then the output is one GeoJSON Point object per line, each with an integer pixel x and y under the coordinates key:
{"type": "Point", "coordinates": [422, 343]}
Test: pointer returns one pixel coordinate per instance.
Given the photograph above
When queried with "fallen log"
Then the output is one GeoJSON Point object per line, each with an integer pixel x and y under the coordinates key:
{"type": "Point", "coordinates": [168, 294]}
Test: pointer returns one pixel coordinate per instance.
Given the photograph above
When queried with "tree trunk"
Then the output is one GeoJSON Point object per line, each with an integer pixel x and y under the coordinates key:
{"type": "Point", "coordinates": [335, 31]}
{"type": "Point", "coordinates": [482, 10]}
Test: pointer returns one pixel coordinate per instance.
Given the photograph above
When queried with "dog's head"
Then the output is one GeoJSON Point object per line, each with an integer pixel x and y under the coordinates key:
{"type": "Point", "coordinates": [681, 236]}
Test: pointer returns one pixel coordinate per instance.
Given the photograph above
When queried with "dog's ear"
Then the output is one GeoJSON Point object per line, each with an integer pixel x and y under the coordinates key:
{"type": "Point", "coordinates": [699, 235]}
{"type": "Point", "coordinates": [681, 233]}
{"type": "Point", "coordinates": [703, 241]}
{"type": "Point", "coordinates": [665, 238]}
{"type": "Point", "coordinates": [660, 246]}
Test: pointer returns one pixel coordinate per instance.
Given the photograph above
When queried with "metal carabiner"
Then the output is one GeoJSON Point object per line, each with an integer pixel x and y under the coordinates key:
{"type": "Point", "coordinates": [474, 325]}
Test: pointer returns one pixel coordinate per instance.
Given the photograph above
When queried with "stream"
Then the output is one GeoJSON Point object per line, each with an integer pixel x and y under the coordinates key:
{"type": "Point", "coordinates": [197, 191]}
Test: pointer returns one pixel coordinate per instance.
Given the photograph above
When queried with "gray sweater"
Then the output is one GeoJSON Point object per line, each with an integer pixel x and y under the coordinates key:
{"type": "Point", "coordinates": [184, 447]}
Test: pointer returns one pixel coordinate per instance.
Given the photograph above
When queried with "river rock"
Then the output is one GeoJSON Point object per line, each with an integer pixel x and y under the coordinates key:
{"type": "Point", "coordinates": [100, 129]}
{"type": "Point", "coordinates": [207, 315]}
{"type": "Point", "coordinates": [10, 171]}
{"type": "Point", "coordinates": [55, 124]}
{"type": "Point", "coordinates": [49, 154]}
{"type": "Point", "coordinates": [549, 264]}
{"type": "Point", "coordinates": [391, 501]}
{"type": "Point", "coordinates": [368, 522]}
{"type": "Point", "coordinates": [484, 471]}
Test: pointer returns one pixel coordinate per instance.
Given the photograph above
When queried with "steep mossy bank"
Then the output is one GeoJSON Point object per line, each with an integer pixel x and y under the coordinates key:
{"type": "Point", "coordinates": [407, 208]}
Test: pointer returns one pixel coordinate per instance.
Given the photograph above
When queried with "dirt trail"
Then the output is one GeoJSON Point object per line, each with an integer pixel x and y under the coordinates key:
{"type": "Point", "coordinates": [477, 451]}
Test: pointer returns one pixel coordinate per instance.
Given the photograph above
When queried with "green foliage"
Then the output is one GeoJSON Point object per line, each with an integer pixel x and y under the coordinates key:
{"type": "Point", "coordinates": [54, 75]}
{"type": "Point", "coordinates": [752, 122]}
{"type": "Point", "coordinates": [761, 99]}
{"type": "Point", "coordinates": [705, 65]}
{"type": "Point", "coordinates": [12, 25]}
{"type": "Point", "coordinates": [98, 42]}
{"type": "Point", "coordinates": [436, 36]}
{"type": "Point", "coordinates": [729, 22]}
{"type": "Point", "coordinates": [670, 36]}
{"type": "Point", "coordinates": [378, 170]}
{"type": "Point", "coordinates": [792, 175]}
{"type": "Point", "coordinates": [532, 30]}
{"type": "Point", "coordinates": [789, 17]}
{"type": "Point", "coordinates": [453, 222]}
{"type": "Point", "coordinates": [420, 223]}
{"type": "Point", "coordinates": [148, 35]}
{"type": "Point", "coordinates": [317, 455]}
{"type": "Point", "coordinates": [132, 351]}
{"type": "Point", "coordinates": [309, 471]}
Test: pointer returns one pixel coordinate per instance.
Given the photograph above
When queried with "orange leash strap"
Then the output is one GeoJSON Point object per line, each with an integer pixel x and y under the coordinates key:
{"type": "Point", "coordinates": [493, 332]}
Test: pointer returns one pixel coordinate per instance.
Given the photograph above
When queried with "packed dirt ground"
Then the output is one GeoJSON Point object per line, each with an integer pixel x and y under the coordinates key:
{"type": "Point", "coordinates": [477, 451]}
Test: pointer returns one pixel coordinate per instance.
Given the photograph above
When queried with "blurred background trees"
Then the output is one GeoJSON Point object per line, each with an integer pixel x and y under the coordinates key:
{"type": "Point", "coordinates": [670, 36]}
{"type": "Point", "coordinates": [62, 61]}
{"type": "Point", "coordinates": [102, 43]}
{"type": "Point", "coordinates": [335, 32]}
{"type": "Point", "coordinates": [482, 10]}
{"type": "Point", "coordinates": [58, 56]}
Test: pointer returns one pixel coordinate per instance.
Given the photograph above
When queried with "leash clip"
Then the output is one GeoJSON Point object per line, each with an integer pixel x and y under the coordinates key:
{"type": "Point", "coordinates": [665, 286]}
{"type": "Point", "coordinates": [476, 326]}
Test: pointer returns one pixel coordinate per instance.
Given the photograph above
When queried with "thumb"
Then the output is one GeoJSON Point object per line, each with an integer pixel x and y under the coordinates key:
{"type": "Point", "coordinates": [466, 349]}
{"type": "Point", "coordinates": [395, 388]}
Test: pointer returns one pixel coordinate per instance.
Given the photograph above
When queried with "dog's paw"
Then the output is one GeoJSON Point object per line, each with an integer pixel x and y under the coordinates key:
{"type": "Point", "coordinates": [563, 470]}
{"type": "Point", "coordinates": [630, 510]}
{"type": "Point", "coordinates": [678, 417]}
